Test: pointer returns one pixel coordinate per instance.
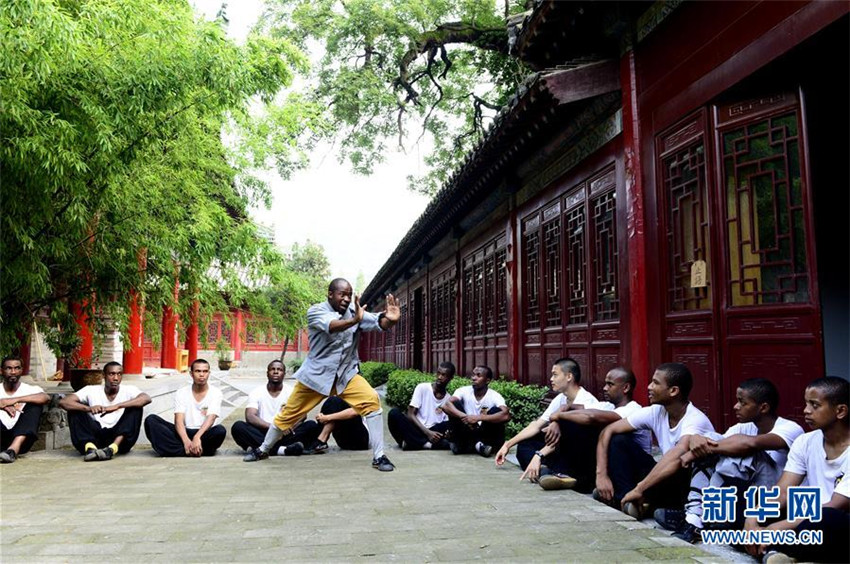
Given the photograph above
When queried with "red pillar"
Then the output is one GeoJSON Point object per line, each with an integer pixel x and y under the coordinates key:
{"type": "Point", "coordinates": [168, 354]}
{"type": "Point", "coordinates": [192, 333]}
{"type": "Point", "coordinates": [134, 353]}
{"type": "Point", "coordinates": [635, 224]}
{"type": "Point", "coordinates": [23, 351]}
{"type": "Point", "coordinates": [236, 335]}
{"type": "Point", "coordinates": [82, 357]}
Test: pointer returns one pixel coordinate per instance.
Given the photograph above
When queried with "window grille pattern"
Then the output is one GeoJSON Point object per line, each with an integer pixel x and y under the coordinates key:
{"type": "Point", "coordinates": [532, 278]}
{"type": "Point", "coordinates": [552, 266]}
{"type": "Point", "coordinates": [607, 304]}
{"type": "Point", "coordinates": [765, 213]}
{"type": "Point", "coordinates": [501, 318]}
{"type": "Point", "coordinates": [686, 193]}
{"type": "Point", "coordinates": [576, 222]}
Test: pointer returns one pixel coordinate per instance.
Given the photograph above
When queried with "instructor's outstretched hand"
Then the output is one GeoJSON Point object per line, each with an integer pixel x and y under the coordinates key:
{"type": "Point", "coordinates": [393, 312]}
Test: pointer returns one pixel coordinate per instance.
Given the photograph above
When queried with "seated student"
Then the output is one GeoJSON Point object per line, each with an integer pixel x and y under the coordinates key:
{"type": "Point", "coordinates": [751, 453]}
{"type": "Point", "coordinates": [339, 419]}
{"type": "Point", "coordinates": [105, 420]}
{"type": "Point", "coordinates": [264, 402]}
{"type": "Point", "coordinates": [196, 407]}
{"type": "Point", "coordinates": [539, 434]}
{"type": "Point", "coordinates": [20, 411]}
{"type": "Point", "coordinates": [574, 459]}
{"type": "Point", "coordinates": [477, 416]}
{"type": "Point", "coordinates": [424, 425]}
{"type": "Point", "coordinates": [626, 475]}
{"type": "Point", "coordinates": [819, 459]}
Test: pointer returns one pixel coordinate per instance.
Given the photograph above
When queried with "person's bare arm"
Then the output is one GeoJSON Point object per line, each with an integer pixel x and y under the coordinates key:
{"type": "Point", "coordinates": [597, 417]}
{"type": "Point", "coordinates": [787, 480]}
{"type": "Point", "coordinates": [450, 409]}
{"type": "Point", "coordinates": [180, 427]}
{"type": "Point", "coordinates": [603, 481]}
{"type": "Point", "coordinates": [432, 436]}
{"type": "Point", "coordinates": [70, 403]}
{"type": "Point", "coordinates": [140, 400]}
{"type": "Point", "coordinates": [252, 417]}
{"type": "Point", "coordinates": [349, 413]}
{"type": "Point", "coordinates": [528, 432]}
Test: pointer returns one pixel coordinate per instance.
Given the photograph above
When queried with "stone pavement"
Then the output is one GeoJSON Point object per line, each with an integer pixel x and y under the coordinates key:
{"type": "Point", "coordinates": [333, 507]}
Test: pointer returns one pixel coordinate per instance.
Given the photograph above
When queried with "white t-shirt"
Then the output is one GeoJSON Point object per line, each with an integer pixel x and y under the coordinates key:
{"type": "Point", "coordinates": [472, 405]}
{"type": "Point", "coordinates": [843, 487]}
{"type": "Point", "coordinates": [267, 406]}
{"type": "Point", "coordinates": [807, 458]}
{"type": "Point", "coordinates": [429, 409]}
{"type": "Point", "coordinates": [656, 419]}
{"type": "Point", "coordinates": [196, 412]}
{"type": "Point", "coordinates": [583, 398]}
{"type": "Point", "coordinates": [96, 395]}
{"type": "Point", "coordinates": [787, 429]}
{"type": "Point", "coordinates": [643, 438]}
{"type": "Point", "coordinates": [23, 390]}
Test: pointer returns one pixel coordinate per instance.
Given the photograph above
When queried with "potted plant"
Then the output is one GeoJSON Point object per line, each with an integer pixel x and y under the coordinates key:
{"type": "Point", "coordinates": [226, 356]}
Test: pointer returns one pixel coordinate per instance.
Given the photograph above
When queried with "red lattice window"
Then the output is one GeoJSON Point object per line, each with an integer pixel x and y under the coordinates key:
{"type": "Point", "coordinates": [552, 271]}
{"type": "Point", "coordinates": [607, 304]}
{"type": "Point", "coordinates": [576, 221]}
{"type": "Point", "coordinates": [765, 213]}
{"type": "Point", "coordinates": [531, 240]}
{"type": "Point", "coordinates": [501, 290]}
{"type": "Point", "coordinates": [468, 299]}
{"type": "Point", "coordinates": [687, 231]}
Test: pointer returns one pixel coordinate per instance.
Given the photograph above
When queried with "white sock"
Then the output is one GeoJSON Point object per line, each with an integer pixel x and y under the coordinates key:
{"type": "Point", "coordinates": [427, 445]}
{"type": "Point", "coordinates": [281, 451]}
{"type": "Point", "coordinates": [479, 445]}
{"type": "Point", "coordinates": [375, 424]}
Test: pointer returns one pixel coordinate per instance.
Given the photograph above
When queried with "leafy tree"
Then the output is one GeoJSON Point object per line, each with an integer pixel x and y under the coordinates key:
{"type": "Point", "coordinates": [111, 125]}
{"type": "Point", "coordinates": [399, 69]}
{"type": "Point", "coordinates": [309, 260]}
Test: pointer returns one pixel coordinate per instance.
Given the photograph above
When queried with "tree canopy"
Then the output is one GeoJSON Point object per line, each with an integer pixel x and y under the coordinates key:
{"type": "Point", "coordinates": [393, 71]}
{"type": "Point", "coordinates": [114, 174]}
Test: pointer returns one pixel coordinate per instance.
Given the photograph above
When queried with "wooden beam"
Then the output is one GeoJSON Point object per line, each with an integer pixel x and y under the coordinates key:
{"type": "Point", "coordinates": [583, 82]}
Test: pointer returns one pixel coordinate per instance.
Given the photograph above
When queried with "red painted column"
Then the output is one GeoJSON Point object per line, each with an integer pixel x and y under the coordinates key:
{"type": "Point", "coordinates": [236, 335]}
{"type": "Point", "coordinates": [192, 333]}
{"type": "Point", "coordinates": [134, 349]}
{"type": "Point", "coordinates": [168, 354]}
{"type": "Point", "coordinates": [82, 357]}
{"type": "Point", "coordinates": [23, 350]}
{"type": "Point", "coordinates": [635, 224]}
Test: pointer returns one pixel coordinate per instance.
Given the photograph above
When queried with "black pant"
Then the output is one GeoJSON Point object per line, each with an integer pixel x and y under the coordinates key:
{"type": "Point", "coordinates": [166, 442]}
{"type": "Point", "coordinates": [628, 464]}
{"type": "Point", "coordinates": [26, 426]}
{"type": "Point", "coordinates": [84, 430]}
{"type": "Point", "coordinates": [464, 437]}
{"type": "Point", "coordinates": [349, 434]}
{"type": "Point", "coordinates": [404, 430]}
{"type": "Point", "coordinates": [834, 524]}
{"type": "Point", "coordinates": [247, 436]}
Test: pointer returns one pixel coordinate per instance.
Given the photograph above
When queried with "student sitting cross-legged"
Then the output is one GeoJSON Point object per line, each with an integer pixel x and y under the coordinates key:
{"type": "Point", "coordinates": [105, 420]}
{"type": "Point", "coordinates": [820, 460]}
{"type": "Point", "coordinates": [424, 425]}
{"type": "Point", "coordinates": [751, 453]}
{"type": "Point", "coordinates": [626, 475]}
{"type": "Point", "coordinates": [477, 416]}
{"type": "Point", "coordinates": [196, 407]}
{"type": "Point", "coordinates": [264, 402]}
{"type": "Point", "coordinates": [20, 411]}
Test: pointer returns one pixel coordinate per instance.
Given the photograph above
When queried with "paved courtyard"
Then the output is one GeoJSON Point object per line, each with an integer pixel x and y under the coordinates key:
{"type": "Point", "coordinates": [333, 507]}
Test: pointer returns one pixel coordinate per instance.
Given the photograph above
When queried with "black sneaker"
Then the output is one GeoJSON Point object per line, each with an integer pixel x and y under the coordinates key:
{"type": "Point", "coordinates": [383, 464]}
{"type": "Point", "coordinates": [91, 454]}
{"type": "Point", "coordinates": [254, 455]}
{"type": "Point", "coordinates": [104, 453]}
{"type": "Point", "coordinates": [670, 519]}
{"type": "Point", "coordinates": [8, 456]}
{"type": "Point", "coordinates": [295, 449]}
{"type": "Point", "coordinates": [484, 450]}
{"type": "Point", "coordinates": [442, 444]}
{"type": "Point", "coordinates": [456, 448]}
{"type": "Point", "coordinates": [689, 534]}
{"type": "Point", "coordinates": [317, 447]}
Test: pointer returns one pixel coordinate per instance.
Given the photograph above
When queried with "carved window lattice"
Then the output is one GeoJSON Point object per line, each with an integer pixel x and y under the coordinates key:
{"type": "Point", "coordinates": [468, 299]}
{"type": "Point", "coordinates": [765, 207]}
{"type": "Point", "coordinates": [478, 297]}
{"type": "Point", "coordinates": [576, 221]}
{"type": "Point", "coordinates": [604, 210]}
{"type": "Point", "coordinates": [443, 309]}
{"type": "Point", "coordinates": [552, 272]}
{"type": "Point", "coordinates": [532, 279]}
{"type": "Point", "coordinates": [687, 231]}
{"type": "Point", "coordinates": [501, 291]}
{"type": "Point", "coordinates": [489, 298]}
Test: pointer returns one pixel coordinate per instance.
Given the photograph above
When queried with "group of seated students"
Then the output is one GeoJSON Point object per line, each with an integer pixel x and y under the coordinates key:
{"type": "Point", "coordinates": [579, 442]}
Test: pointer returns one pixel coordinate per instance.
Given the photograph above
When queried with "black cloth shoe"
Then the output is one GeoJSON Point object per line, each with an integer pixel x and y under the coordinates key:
{"type": "Point", "coordinates": [8, 456]}
{"type": "Point", "coordinates": [383, 464]}
{"type": "Point", "coordinates": [670, 519]}
{"type": "Point", "coordinates": [295, 449]}
{"type": "Point", "coordinates": [91, 454]}
{"type": "Point", "coordinates": [689, 533]}
{"type": "Point", "coordinates": [104, 453]}
{"type": "Point", "coordinates": [254, 455]}
{"type": "Point", "coordinates": [317, 447]}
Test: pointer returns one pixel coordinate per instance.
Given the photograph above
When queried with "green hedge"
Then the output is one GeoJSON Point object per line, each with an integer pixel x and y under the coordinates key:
{"type": "Point", "coordinates": [523, 401]}
{"type": "Point", "coordinates": [377, 373]}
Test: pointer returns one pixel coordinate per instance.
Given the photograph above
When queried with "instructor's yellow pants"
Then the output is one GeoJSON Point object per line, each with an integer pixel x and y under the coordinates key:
{"type": "Point", "coordinates": [358, 394]}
